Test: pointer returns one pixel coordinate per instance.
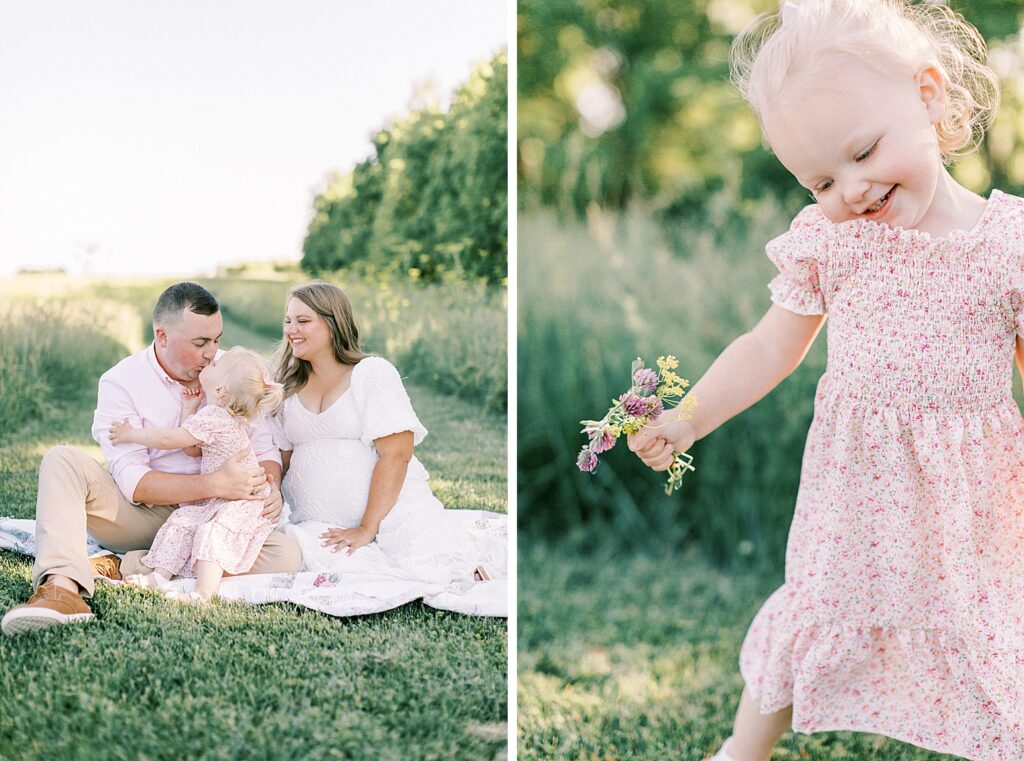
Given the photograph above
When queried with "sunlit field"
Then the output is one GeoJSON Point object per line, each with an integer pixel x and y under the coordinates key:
{"type": "Point", "coordinates": [151, 679]}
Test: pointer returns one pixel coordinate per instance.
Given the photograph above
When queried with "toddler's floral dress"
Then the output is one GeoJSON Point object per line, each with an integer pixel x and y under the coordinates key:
{"type": "Point", "coordinates": [902, 611]}
{"type": "Point", "coordinates": [229, 533]}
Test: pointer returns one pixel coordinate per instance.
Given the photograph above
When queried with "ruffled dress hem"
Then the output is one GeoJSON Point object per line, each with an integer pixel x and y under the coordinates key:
{"type": "Point", "coordinates": [835, 675]}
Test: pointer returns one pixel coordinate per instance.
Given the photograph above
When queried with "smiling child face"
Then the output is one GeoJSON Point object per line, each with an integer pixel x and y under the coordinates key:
{"type": "Point", "coordinates": [862, 142]}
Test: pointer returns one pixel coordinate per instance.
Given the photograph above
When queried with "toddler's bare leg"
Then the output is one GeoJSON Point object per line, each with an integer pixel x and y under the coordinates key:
{"type": "Point", "coordinates": [208, 576]}
{"type": "Point", "coordinates": [754, 735]}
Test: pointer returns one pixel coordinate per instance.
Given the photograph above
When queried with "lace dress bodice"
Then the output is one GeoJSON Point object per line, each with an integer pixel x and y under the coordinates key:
{"type": "Point", "coordinates": [333, 454]}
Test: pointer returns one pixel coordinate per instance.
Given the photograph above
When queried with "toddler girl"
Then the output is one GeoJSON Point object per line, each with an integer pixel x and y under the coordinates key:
{"type": "Point", "coordinates": [211, 537]}
{"type": "Point", "coordinates": [902, 611]}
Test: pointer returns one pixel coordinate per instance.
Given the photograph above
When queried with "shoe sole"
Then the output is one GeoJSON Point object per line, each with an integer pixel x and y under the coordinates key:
{"type": "Point", "coordinates": [19, 622]}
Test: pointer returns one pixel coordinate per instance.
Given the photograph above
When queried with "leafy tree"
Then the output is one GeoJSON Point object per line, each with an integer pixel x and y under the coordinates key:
{"type": "Point", "coordinates": [631, 101]}
{"type": "Point", "coordinates": [431, 202]}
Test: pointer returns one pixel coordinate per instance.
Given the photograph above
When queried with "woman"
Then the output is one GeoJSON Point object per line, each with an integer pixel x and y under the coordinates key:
{"type": "Point", "coordinates": [358, 495]}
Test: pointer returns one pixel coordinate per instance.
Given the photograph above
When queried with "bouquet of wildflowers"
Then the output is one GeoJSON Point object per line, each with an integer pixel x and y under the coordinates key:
{"type": "Point", "coordinates": [641, 405]}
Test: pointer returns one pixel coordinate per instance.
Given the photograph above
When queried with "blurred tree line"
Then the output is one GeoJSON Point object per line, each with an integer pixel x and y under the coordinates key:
{"type": "Point", "coordinates": [622, 101]}
{"type": "Point", "coordinates": [431, 200]}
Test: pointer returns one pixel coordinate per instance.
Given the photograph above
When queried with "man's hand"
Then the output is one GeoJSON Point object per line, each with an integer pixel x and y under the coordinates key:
{"type": "Point", "coordinates": [656, 444]}
{"type": "Point", "coordinates": [274, 502]}
{"type": "Point", "coordinates": [351, 538]}
{"type": "Point", "coordinates": [235, 481]}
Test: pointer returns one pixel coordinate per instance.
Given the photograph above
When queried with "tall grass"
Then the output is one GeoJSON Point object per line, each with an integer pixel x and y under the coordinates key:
{"type": "Point", "coordinates": [55, 329]}
{"type": "Point", "coordinates": [52, 351]}
{"type": "Point", "coordinates": [450, 337]}
{"type": "Point", "coordinates": [592, 298]}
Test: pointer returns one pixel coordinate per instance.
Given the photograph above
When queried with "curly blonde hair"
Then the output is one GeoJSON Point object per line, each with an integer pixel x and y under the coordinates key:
{"type": "Point", "coordinates": [249, 389]}
{"type": "Point", "coordinates": [895, 37]}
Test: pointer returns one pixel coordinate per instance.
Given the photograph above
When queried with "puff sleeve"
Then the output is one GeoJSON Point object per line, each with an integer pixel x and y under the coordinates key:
{"type": "Point", "coordinates": [277, 429]}
{"type": "Point", "coordinates": [798, 255]}
{"type": "Point", "coordinates": [208, 424]}
{"type": "Point", "coordinates": [383, 404]}
{"type": "Point", "coordinates": [1012, 221]}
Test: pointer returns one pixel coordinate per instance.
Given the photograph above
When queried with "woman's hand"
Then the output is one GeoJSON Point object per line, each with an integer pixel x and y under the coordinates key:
{"type": "Point", "coordinates": [656, 445]}
{"type": "Point", "coordinates": [121, 433]}
{"type": "Point", "coordinates": [353, 538]}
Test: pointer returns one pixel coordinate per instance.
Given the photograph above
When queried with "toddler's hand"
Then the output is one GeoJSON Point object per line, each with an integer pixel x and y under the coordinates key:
{"type": "Point", "coordinates": [656, 444]}
{"type": "Point", "coordinates": [121, 433]}
{"type": "Point", "coordinates": [190, 400]}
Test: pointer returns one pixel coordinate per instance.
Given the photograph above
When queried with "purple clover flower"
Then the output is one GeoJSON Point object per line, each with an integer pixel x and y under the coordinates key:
{"type": "Point", "coordinates": [634, 405]}
{"type": "Point", "coordinates": [645, 379]}
{"type": "Point", "coordinates": [587, 460]}
{"type": "Point", "coordinates": [654, 406]}
{"type": "Point", "coordinates": [601, 441]}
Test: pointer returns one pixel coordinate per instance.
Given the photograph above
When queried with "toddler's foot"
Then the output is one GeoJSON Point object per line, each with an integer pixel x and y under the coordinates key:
{"type": "Point", "coordinates": [153, 580]}
{"type": "Point", "coordinates": [722, 755]}
{"type": "Point", "coordinates": [188, 598]}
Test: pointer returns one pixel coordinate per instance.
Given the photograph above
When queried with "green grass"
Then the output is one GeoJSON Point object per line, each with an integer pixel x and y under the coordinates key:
{"type": "Point", "coordinates": [636, 656]}
{"type": "Point", "coordinates": [150, 679]}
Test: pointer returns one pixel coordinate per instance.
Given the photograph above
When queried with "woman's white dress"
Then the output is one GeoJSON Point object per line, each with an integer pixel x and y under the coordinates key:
{"type": "Point", "coordinates": [328, 482]}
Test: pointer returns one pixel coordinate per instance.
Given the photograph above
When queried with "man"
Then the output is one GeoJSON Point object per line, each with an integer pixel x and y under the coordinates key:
{"type": "Point", "coordinates": [124, 507]}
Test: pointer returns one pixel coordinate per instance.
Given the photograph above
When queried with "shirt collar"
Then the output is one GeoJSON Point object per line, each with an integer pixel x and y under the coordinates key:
{"type": "Point", "coordinates": [161, 373]}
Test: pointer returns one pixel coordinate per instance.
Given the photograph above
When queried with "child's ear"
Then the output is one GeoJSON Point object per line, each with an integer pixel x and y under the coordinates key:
{"type": "Point", "coordinates": [931, 86]}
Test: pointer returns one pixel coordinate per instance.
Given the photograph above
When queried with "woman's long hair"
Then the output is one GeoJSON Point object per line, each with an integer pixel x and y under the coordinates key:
{"type": "Point", "coordinates": [331, 303]}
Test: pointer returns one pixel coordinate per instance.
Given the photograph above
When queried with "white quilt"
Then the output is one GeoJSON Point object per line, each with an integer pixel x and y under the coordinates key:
{"type": "Point", "coordinates": [363, 588]}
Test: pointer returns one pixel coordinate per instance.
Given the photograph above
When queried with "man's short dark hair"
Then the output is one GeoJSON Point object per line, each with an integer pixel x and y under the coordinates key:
{"type": "Point", "coordinates": [178, 298]}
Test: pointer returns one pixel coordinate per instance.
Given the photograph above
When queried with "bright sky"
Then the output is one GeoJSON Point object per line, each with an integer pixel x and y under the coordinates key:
{"type": "Point", "coordinates": [166, 137]}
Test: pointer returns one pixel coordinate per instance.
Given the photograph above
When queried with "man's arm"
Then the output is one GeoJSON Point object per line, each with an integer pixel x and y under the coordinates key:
{"type": "Point", "coordinates": [232, 481]}
{"type": "Point", "coordinates": [128, 463]}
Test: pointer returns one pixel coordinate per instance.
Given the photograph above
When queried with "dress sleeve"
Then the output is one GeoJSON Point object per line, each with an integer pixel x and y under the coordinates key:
{"type": "Point", "coordinates": [207, 424]}
{"type": "Point", "coordinates": [382, 402]}
{"type": "Point", "coordinates": [798, 255]}
{"type": "Point", "coordinates": [277, 423]}
{"type": "Point", "coordinates": [1012, 222]}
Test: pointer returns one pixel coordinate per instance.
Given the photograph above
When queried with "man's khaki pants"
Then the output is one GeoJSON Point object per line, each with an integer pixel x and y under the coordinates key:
{"type": "Point", "coordinates": [77, 494]}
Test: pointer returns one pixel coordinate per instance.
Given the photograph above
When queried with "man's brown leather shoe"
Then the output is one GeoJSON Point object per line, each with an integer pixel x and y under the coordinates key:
{"type": "Point", "coordinates": [49, 606]}
{"type": "Point", "coordinates": [106, 567]}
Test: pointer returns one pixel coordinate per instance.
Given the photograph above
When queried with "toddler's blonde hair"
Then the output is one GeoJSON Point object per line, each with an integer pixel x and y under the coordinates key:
{"type": "Point", "coordinates": [895, 37]}
{"type": "Point", "coordinates": [250, 389]}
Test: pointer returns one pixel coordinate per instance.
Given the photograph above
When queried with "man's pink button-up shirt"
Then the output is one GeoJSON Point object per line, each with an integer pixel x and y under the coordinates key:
{"type": "Point", "coordinates": [139, 390]}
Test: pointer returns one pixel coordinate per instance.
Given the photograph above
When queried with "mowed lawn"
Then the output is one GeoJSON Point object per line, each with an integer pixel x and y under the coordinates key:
{"type": "Point", "coordinates": [636, 656]}
{"type": "Point", "coordinates": [150, 679]}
